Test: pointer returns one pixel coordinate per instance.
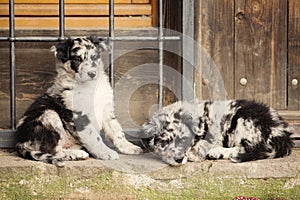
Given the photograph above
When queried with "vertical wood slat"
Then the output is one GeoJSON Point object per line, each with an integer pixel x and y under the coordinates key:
{"type": "Point", "coordinates": [154, 11]}
{"type": "Point", "coordinates": [260, 29]}
{"type": "Point", "coordinates": [294, 55]}
{"type": "Point", "coordinates": [173, 58]}
{"type": "Point", "coordinates": [252, 43]}
{"type": "Point", "coordinates": [278, 76]}
{"type": "Point", "coordinates": [215, 34]}
{"type": "Point", "coordinates": [188, 50]}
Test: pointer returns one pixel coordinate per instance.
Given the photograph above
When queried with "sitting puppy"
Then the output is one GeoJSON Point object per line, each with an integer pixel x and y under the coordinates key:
{"type": "Point", "coordinates": [238, 130]}
{"type": "Point", "coordinates": [65, 123]}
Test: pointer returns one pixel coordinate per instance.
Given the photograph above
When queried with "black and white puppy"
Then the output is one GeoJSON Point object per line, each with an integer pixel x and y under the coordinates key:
{"type": "Point", "coordinates": [239, 130]}
{"type": "Point", "coordinates": [66, 122]}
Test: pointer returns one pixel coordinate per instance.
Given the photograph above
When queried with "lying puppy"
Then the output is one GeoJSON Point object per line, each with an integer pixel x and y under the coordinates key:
{"type": "Point", "coordinates": [65, 123]}
{"type": "Point", "coordinates": [238, 130]}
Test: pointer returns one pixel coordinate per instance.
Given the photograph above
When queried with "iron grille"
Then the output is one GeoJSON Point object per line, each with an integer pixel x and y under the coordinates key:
{"type": "Point", "coordinates": [7, 136]}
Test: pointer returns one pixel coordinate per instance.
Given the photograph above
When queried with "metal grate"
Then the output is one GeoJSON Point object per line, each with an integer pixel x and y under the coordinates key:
{"type": "Point", "coordinates": [6, 136]}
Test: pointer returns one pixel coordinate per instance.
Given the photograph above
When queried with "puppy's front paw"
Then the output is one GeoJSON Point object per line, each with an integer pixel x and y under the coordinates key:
{"type": "Point", "coordinates": [81, 155]}
{"type": "Point", "coordinates": [126, 147]}
{"type": "Point", "coordinates": [105, 154]}
{"type": "Point", "coordinates": [214, 154]}
{"type": "Point", "coordinates": [111, 155]}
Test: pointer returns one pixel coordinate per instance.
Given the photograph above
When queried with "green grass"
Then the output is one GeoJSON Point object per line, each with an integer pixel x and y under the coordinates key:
{"type": "Point", "coordinates": [226, 188]}
{"type": "Point", "coordinates": [54, 187]}
{"type": "Point", "coordinates": [108, 185]}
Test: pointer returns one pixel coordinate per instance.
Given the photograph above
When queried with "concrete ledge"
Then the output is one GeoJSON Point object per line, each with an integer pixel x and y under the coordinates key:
{"type": "Point", "coordinates": [146, 176]}
{"type": "Point", "coordinates": [149, 164]}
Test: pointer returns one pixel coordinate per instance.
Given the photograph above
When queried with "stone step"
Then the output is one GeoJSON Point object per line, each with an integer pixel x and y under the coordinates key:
{"type": "Point", "coordinates": [146, 177]}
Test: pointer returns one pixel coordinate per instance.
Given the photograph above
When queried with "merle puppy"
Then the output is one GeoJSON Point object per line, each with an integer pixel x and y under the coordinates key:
{"type": "Point", "coordinates": [239, 130]}
{"type": "Point", "coordinates": [66, 122]}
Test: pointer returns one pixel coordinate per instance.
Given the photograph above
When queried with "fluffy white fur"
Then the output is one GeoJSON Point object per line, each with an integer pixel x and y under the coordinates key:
{"type": "Point", "coordinates": [67, 122]}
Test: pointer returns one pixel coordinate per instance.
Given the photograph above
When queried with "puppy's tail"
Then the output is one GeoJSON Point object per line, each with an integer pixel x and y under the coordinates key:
{"type": "Point", "coordinates": [30, 154]}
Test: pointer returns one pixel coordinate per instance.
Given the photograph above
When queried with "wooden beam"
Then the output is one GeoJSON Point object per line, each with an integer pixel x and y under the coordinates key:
{"type": "Point", "coordinates": [76, 22]}
{"type": "Point", "coordinates": [140, 1]}
{"type": "Point", "coordinates": [75, 9]}
{"type": "Point", "coordinates": [67, 1]}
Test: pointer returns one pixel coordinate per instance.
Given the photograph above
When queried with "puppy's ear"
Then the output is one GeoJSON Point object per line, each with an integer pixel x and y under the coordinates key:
{"type": "Point", "coordinates": [147, 143]}
{"type": "Point", "coordinates": [101, 43]}
{"type": "Point", "coordinates": [62, 50]}
{"type": "Point", "coordinates": [151, 128]}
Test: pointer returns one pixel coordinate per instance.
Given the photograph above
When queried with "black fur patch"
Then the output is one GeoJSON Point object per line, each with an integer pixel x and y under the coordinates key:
{"type": "Point", "coordinates": [32, 129]}
{"type": "Point", "coordinates": [63, 50]}
{"type": "Point", "coordinates": [81, 121]}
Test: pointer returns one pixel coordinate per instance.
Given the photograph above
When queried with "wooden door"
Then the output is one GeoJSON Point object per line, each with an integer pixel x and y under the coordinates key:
{"type": "Point", "coordinates": [294, 55]}
{"type": "Point", "coordinates": [261, 51]}
{"type": "Point", "coordinates": [255, 45]}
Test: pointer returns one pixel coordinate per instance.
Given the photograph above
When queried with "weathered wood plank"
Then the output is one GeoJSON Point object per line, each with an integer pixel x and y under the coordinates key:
{"type": "Point", "coordinates": [83, 32]}
{"type": "Point", "coordinates": [4, 89]}
{"type": "Point", "coordinates": [172, 57]}
{"type": "Point", "coordinates": [76, 22]}
{"type": "Point", "coordinates": [154, 5]}
{"type": "Point", "coordinates": [67, 1]}
{"type": "Point", "coordinates": [278, 76]}
{"type": "Point", "coordinates": [35, 69]}
{"type": "Point", "coordinates": [140, 1]}
{"type": "Point", "coordinates": [75, 9]}
{"type": "Point", "coordinates": [294, 55]}
{"type": "Point", "coordinates": [136, 91]}
{"type": "Point", "coordinates": [250, 59]}
{"type": "Point", "coordinates": [259, 39]}
{"type": "Point", "coordinates": [215, 34]}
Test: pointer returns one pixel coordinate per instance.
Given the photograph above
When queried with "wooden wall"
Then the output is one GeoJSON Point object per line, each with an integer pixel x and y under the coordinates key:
{"type": "Point", "coordinates": [35, 72]}
{"type": "Point", "coordinates": [35, 66]}
{"type": "Point", "coordinates": [256, 46]}
{"type": "Point", "coordinates": [258, 40]}
{"type": "Point", "coordinates": [79, 14]}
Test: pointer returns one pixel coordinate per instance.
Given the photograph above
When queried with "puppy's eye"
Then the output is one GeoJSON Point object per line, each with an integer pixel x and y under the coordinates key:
{"type": "Point", "coordinates": [170, 129]}
{"type": "Point", "coordinates": [75, 62]}
{"type": "Point", "coordinates": [76, 59]}
{"type": "Point", "coordinates": [176, 121]}
{"type": "Point", "coordinates": [164, 143]}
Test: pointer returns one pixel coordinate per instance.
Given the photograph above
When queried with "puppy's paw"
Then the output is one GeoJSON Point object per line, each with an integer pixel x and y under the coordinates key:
{"type": "Point", "coordinates": [222, 153]}
{"type": "Point", "coordinates": [126, 147]}
{"type": "Point", "coordinates": [81, 155]}
{"type": "Point", "coordinates": [214, 154]}
{"type": "Point", "coordinates": [106, 154]}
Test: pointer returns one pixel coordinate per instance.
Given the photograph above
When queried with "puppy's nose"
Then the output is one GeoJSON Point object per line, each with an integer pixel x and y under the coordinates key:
{"type": "Point", "coordinates": [179, 160]}
{"type": "Point", "coordinates": [92, 74]}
